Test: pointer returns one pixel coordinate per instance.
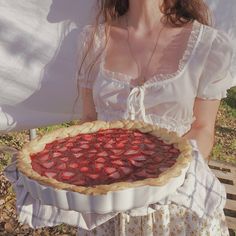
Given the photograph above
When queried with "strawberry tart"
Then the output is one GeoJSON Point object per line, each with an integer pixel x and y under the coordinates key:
{"type": "Point", "coordinates": [99, 157]}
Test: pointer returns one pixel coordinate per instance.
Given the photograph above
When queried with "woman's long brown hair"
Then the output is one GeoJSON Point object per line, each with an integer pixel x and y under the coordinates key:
{"type": "Point", "coordinates": [176, 13]}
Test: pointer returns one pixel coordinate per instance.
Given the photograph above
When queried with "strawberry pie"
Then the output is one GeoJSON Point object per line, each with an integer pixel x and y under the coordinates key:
{"type": "Point", "coordinates": [98, 157]}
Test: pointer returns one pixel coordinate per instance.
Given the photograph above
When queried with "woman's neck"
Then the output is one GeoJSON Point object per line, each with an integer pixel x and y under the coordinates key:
{"type": "Point", "coordinates": [143, 15]}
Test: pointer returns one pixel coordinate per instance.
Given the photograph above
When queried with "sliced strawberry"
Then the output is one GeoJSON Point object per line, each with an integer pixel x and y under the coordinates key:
{"type": "Point", "coordinates": [138, 157]}
{"type": "Point", "coordinates": [145, 174]}
{"type": "Point", "coordinates": [152, 166]}
{"type": "Point", "coordinates": [62, 149]}
{"type": "Point", "coordinates": [135, 147]}
{"type": "Point", "coordinates": [44, 157]}
{"type": "Point", "coordinates": [102, 154]}
{"type": "Point", "coordinates": [131, 152]}
{"type": "Point", "coordinates": [151, 145]}
{"type": "Point", "coordinates": [135, 163]}
{"type": "Point", "coordinates": [100, 138]}
{"type": "Point", "coordinates": [76, 149]}
{"type": "Point", "coordinates": [48, 164]}
{"type": "Point", "coordinates": [85, 146]}
{"type": "Point", "coordinates": [101, 159]}
{"type": "Point", "coordinates": [90, 155]}
{"type": "Point", "coordinates": [120, 145]}
{"type": "Point", "coordinates": [115, 175]}
{"type": "Point", "coordinates": [114, 157]}
{"type": "Point", "coordinates": [108, 145]}
{"type": "Point", "coordinates": [137, 134]}
{"type": "Point", "coordinates": [50, 174]}
{"type": "Point", "coordinates": [88, 137]}
{"type": "Point", "coordinates": [147, 141]}
{"type": "Point", "coordinates": [163, 168]}
{"type": "Point", "coordinates": [84, 162]}
{"type": "Point", "coordinates": [110, 170]}
{"type": "Point", "coordinates": [141, 173]}
{"type": "Point", "coordinates": [37, 167]}
{"type": "Point", "coordinates": [111, 141]}
{"type": "Point", "coordinates": [64, 159]}
{"type": "Point", "coordinates": [69, 145]}
{"type": "Point", "coordinates": [118, 162]}
{"type": "Point", "coordinates": [136, 141]}
{"type": "Point", "coordinates": [48, 146]}
{"type": "Point", "coordinates": [126, 170]}
{"type": "Point", "coordinates": [158, 159]}
{"type": "Point", "coordinates": [79, 182]}
{"type": "Point", "coordinates": [118, 139]}
{"type": "Point", "coordinates": [151, 169]}
{"type": "Point", "coordinates": [97, 145]}
{"type": "Point", "coordinates": [74, 139]}
{"type": "Point", "coordinates": [166, 147]}
{"type": "Point", "coordinates": [56, 154]}
{"type": "Point", "coordinates": [148, 152]}
{"type": "Point", "coordinates": [77, 155]}
{"type": "Point", "coordinates": [123, 136]}
{"type": "Point", "coordinates": [84, 169]}
{"type": "Point", "coordinates": [152, 176]}
{"type": "Point", "coordinates": [171, 162]}
{"type": "Point", "coordinates": [117, 151]}
{"type": "Point", "coordinates": [67, 175]}
{"type": "Point", "coordinates": [83, 142]}
{"type": "Point", "coordinates": [99, 166]}
{"type": "Point", "coordinates": [33, 156]}
{"type": "Point", "coordinates": [74, 165]}
{"type": "Point", "coordinates": [174, 150]}
{"type": "Point", "coordinates": [93, 151]}
{"type": "Point", "coordinates": [93, 176]}
{"type": "Point", "coordinates": [62, 166]}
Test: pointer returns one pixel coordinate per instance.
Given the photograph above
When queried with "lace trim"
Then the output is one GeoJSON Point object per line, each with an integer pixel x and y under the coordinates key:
{"type": "Point", "coordinates": [191, 46]}
{"type": "Point", "coordinates": [179, 126]}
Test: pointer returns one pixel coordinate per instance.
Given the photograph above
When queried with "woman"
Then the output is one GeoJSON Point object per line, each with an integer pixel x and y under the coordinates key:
{"type": "Point", "coordinates": [160, 62]}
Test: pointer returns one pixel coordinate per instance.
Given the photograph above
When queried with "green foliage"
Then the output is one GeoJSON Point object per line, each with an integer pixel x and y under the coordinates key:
{"type": "Point", "coordinates": [230, 102]}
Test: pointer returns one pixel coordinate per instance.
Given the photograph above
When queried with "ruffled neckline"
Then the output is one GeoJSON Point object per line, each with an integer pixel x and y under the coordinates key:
{"type": "Point", "coordinates": [192, 43]}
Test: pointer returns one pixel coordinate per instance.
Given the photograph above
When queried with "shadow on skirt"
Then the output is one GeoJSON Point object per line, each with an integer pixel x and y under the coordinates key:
{"type": "Point", "coordinates": [169, 220]}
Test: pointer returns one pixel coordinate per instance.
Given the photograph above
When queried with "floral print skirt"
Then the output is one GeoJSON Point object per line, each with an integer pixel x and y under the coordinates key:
{"type": "Point", "coordinates": [169, 220]}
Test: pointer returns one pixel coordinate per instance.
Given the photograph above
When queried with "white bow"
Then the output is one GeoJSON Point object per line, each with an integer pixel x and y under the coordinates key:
{"type": "Point", "coordinates": [136, 97]}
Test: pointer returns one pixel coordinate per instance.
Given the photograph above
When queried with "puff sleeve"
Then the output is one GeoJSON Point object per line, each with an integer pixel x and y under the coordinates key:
{"type": "Point", "coordinates": [84, 78]}
{"type": "Point", "coordinates": [216, 77]}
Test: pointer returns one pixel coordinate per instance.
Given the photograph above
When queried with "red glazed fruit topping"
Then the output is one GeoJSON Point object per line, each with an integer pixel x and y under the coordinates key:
{"type": "Point", "coordinates": [105, 157]}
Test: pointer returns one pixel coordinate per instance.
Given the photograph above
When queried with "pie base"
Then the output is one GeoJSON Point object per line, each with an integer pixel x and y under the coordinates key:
{"type": "Point", "coordinates": [38, 144]}
{"type": "Point", "coordinates": [113, 201]}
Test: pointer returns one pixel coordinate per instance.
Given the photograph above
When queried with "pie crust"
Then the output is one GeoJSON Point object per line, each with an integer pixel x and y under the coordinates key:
{"type": "Point", "coordinates": [168, 137]}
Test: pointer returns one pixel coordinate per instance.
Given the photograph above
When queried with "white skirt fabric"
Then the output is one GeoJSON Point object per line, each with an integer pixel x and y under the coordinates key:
{"type": "Point", "coordinates": [168, 220]}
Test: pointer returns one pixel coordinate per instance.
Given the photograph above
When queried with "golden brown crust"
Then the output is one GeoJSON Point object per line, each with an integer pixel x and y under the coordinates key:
{"type": "Point", "coordinates": [38, 144]}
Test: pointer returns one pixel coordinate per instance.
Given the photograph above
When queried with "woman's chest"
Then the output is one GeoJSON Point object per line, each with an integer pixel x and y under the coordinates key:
{"type": "Point", "coordinates": [138, 56]}
{"type": "Point", "coordinates": [111, 93]}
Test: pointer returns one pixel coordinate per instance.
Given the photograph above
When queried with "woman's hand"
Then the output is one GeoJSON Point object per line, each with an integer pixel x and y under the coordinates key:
{"type": "Point", "coordinates": [203, 128]}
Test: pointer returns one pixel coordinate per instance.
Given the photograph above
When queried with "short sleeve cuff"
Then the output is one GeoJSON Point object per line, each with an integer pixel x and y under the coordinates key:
{"type": "Point", "coordinates": [216, 90]}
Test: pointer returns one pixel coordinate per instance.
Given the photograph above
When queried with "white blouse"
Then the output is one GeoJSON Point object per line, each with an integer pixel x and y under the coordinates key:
{"type": "Point", "coordinates": [164, 99]}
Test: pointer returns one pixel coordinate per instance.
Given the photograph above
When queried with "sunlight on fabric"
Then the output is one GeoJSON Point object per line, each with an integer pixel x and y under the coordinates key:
{"type": "Point", "coordinates": [38, 60]}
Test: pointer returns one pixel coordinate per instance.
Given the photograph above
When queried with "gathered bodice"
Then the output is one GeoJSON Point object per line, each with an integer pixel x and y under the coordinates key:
{"type": "Point", "coordinates": [152, 103]}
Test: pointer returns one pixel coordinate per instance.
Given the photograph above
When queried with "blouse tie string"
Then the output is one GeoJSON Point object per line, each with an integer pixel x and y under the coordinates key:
{"type": "Point", "coordinates": [135, 97]}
